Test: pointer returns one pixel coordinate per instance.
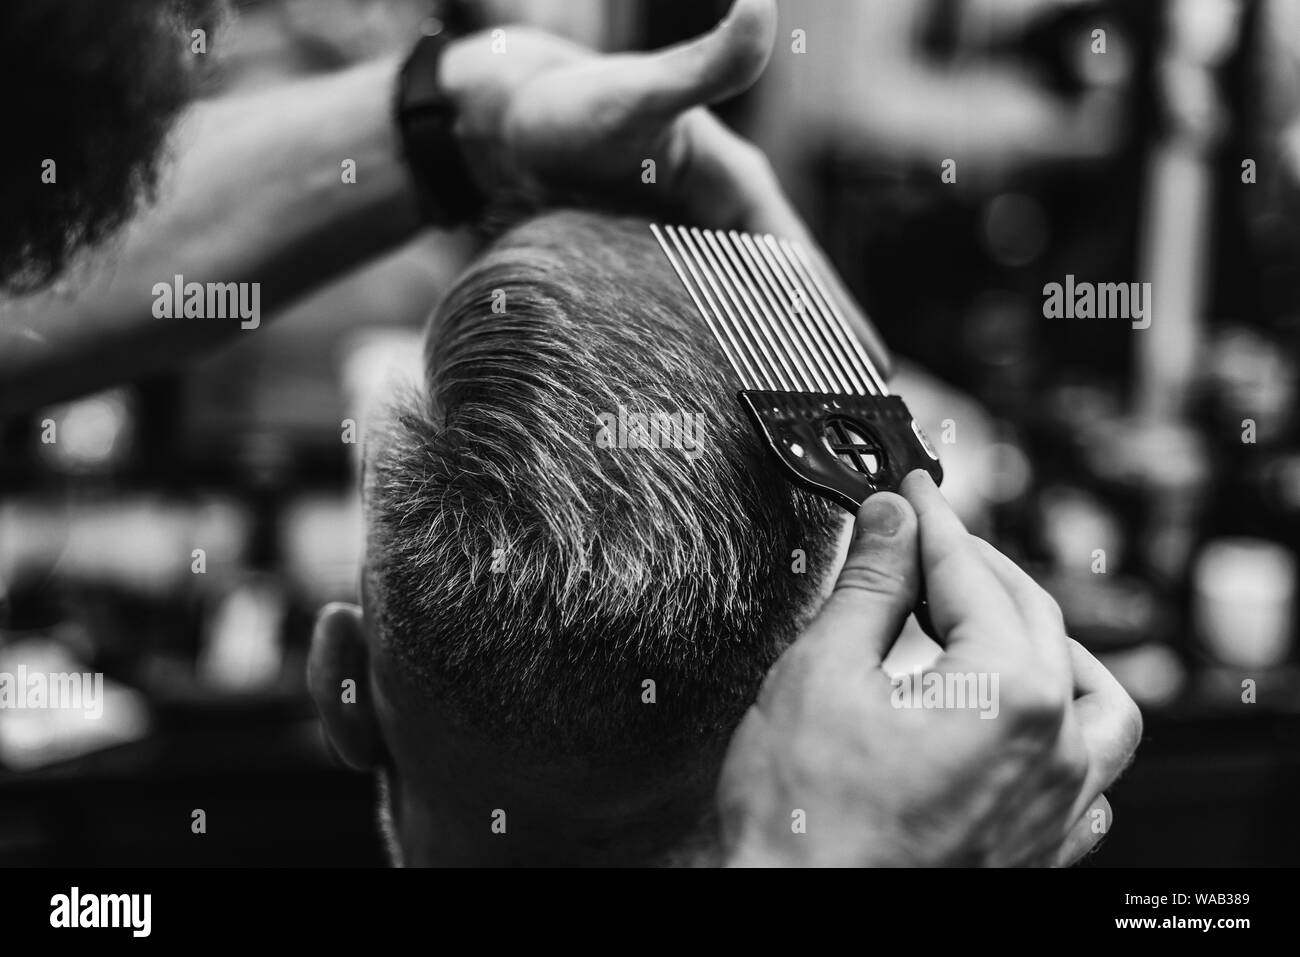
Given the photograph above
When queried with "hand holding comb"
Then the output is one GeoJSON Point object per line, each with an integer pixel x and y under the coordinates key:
{"type": "Point", "coordinates": [807, 384]}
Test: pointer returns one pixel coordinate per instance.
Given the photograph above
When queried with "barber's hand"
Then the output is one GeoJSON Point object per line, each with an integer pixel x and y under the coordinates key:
{"type": "Point", "coordinates": [558, 123]}
{"type": "Point", "coordinates": [881, 785]}
{"type": "Point", "coordinates": [543, 114]}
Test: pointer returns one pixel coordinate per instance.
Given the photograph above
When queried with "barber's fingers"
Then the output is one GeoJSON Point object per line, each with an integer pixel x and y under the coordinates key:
{"type": "Point", "coordinates": [1086, 833]}
{"type": "Point", "coordinates": [877, 588]}
{"type": "Point", "coordinates": [970, 609]}
{"type": "Point", "coordinates": [1109, 720]}
{"type": "Point", "coordinates": [1044, 624]}
{"type": "Point", "coordinates": [663, 83]}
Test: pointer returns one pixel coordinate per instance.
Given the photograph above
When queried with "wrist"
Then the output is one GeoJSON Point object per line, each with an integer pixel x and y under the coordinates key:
{"type": "Point", "coordinates": [346, 117]}
{"type": "Point", "coordinates": [429, 123]}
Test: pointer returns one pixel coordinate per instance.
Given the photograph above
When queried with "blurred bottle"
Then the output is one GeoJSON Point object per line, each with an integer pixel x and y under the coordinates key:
{"type": "Point", "coordinates": [1243, 601]}
{"type": "Point", "coordinates": [1245, 580]}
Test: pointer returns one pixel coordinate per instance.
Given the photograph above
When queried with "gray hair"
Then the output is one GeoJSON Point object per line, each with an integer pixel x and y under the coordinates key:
{"type": "Point", "coordinates": [533, 579]}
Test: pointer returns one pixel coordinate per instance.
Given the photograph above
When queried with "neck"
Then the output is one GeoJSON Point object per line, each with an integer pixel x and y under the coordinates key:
{"type": "Point", "coordinates": [510, 831]}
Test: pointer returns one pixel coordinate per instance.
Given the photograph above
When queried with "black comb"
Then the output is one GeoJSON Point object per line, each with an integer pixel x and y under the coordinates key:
{"type": "Point", "coordinates": [807, 383]}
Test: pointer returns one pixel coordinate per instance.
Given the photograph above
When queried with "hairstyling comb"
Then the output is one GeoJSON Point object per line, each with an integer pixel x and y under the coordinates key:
{"type": "Point", "coordinates": [806, 382]}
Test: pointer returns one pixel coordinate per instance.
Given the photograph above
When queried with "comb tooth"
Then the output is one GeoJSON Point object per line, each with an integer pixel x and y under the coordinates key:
{"type": "Point", "coordinates": [819, 323]}
{"type": "Point", "coordinates": [820, 287]}
{"type": "Point", "coordinates": [733, 353]}
{"type": "Point", "coordinates": [791, 333]}
{"type": "Point", "coordinates": [736, 330]}
{"type": "Point", "coordinates": [789, 378]}
{"type": "Point", "coordinates": [756, 377]}
{"type": "Point", "coordinates": [807, 332]}
{"type": "Point", "coordinates": [746, 380]}
{"type": "Point", "coordinates": [807, 377]}
{"type": "Point", "coordinates": [780, 303]}
{"type": "Point", "coordinates": [737, 310]}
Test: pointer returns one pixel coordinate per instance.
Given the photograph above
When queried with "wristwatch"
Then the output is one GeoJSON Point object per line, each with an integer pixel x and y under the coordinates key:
{"type": "Point", "coordinates": [426, 123]}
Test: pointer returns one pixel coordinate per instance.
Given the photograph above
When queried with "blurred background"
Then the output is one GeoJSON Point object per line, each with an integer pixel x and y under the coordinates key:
{"type": "Point", "coordinates": [181, 533]}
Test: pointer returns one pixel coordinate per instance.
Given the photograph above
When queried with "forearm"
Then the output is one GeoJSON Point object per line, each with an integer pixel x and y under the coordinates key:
{"type": "Point", "coordinates": [255, 194]}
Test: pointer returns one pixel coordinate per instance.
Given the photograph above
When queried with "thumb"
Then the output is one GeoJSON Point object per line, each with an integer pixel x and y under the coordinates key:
{"type": "Point", "coordinates": [880, 583]}
{"type": "Point", "coordinates": [721, 63]}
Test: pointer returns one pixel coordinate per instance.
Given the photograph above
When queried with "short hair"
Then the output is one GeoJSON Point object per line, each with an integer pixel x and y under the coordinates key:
{"type": "Point", "coordinates": [693, 579]}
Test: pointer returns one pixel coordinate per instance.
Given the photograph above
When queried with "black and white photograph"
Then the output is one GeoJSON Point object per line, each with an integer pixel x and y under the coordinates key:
{"type": "Point", "coordinates": [571, 434]}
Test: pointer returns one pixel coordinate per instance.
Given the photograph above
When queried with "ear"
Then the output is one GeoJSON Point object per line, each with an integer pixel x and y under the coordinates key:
{"type": "Point", "coordinates": [338, 677]}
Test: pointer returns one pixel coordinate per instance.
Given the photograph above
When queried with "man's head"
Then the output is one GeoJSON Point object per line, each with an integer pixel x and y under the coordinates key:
{"type": "Point", "coordinates": [561, 625]}
{"type": "Point", "coordinates": [91, 89]}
